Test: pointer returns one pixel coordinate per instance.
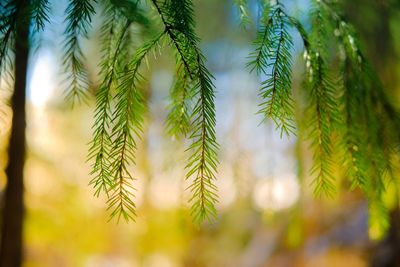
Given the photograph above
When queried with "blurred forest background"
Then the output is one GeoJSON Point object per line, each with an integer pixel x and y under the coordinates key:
{"type": "Point", "coordinates": [267, 213]}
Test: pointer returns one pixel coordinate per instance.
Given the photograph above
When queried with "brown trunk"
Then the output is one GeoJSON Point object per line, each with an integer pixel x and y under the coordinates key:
{"type": "Point", "coordinates": [13, 209]}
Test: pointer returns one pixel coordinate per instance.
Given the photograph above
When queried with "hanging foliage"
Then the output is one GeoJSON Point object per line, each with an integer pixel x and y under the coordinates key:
{"type": "Point", "coordinates": [346, 112]}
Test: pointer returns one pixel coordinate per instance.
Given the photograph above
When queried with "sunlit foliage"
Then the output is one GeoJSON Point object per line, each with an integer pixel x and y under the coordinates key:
{"type": "Point", "coordinates": [346, 112]}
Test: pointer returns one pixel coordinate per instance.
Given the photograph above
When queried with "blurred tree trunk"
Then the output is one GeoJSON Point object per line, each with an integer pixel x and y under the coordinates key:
{"type": "Point", "coordinates": [13, 209]}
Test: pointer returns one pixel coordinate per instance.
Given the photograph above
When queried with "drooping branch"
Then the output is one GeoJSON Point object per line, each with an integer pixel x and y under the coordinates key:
{"type": "Point", "coordinates": [101, 145]}
{"type": "Point", "coordinates": [272, 57]}
{"type": "Point", "coordinates": [78, 21]}
{"type": "Point", "coordinates": [128, 126]}
{"type": "Point", "coordinates": [177, 17]}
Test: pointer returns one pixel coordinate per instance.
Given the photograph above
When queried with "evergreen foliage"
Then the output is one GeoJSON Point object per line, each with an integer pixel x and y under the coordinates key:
{"type": "Point", "coordinates": [40, 13]}
{"type": "Point", "coordinates": [8, 23]}
{"type": "Point", "coordinates": [113, 36]}
{"type": "Point", "coordinates": [323, 106]}
{"type": "Point", "coordinates": [243, 11]}
{"type": "Point", "coordinates": [113, 145]}
{"type": "Point", "coordinates": [128, 117]}
{"type": "Point", "coordinates": [272, 57]}
{"type": "Point", "coordinates": [347, 112]}
{"type": "Point", "coordinates": [178, 120]}
{"type": "Point", "coordinates": [366, 111]}
{"type": "Point", "coordinates": [177, 17]}
{"type": "Point", "coordinates": [345, 108]}
{"type": "Point", "coordinates": [79, 13]}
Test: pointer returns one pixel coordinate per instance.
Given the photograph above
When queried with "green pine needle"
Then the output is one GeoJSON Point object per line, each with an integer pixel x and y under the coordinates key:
{"type": "Point", "coordinates": [127, 128]}
{"type": "Point", "coordinates": [8, 20]}
{"type": "Point", "coordinates": [178, 119]}
{"type": "Point", "coordinates": [324, 112]}
{"type": "Point", "coordinates": [40, 10]}
{"type": "Point", "coordinates": [272, 57]}
{"type": "Point", "coordinates": [244, 13]}
{"type": "Point", "coordinates": [177, 17]}
{"type": "Point", "coordinates": [78, 20]}
{"type": "Point", "coordinates": [102, 143]}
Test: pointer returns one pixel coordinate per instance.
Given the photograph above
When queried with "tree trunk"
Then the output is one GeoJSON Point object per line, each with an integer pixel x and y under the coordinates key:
{"type": "Point", "coordinates": [13, 209]}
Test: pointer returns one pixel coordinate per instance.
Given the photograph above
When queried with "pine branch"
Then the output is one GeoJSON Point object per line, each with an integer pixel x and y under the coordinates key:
{"type": "Point", "coordinates": [353, 106]}
{"type": "Point", "coordinates": [320, 28]}
{"type": "Point", "coordinates": [260, 55]}
{"type": "Point", "coordinates": [178, 119]}
{"type": "Point", "coordinates": [273, 51]}
{"type": "Point", "coordinates": [354, 141]}
{"type": "Point", "coordinates": [40, 13]}
{"type": "Point", "coordinates": [127, 119]}
{"type": "Point", "coordinates": [203, 161]}
{"type": "Point", "coordinates": [303, 33]}
{"type": "Point", "coordinates": [131, 11]}
{"type": "Point", "coordinates": [8, 20]}
{"type": "Point", "coordinates": [101, 144]}
{"type": "Point", "coordinates": [374, 147]}
{"type": "Point", "coordinates": [243, 9]}
{"type": "Point", "coordinates": [182, 26]}
{"type": "Point", "coordinates": [379, 120]}
{"type": "Point", "coordinates": [368, 137]}
{"type": "Point", "coordinates": [177, 17]}
{"type": "Point", "coordinates": [78, 20]}
{"type": "Point", "coordinates": [259, 58]}
{"type": "Point", "coordinates": [323, 106]}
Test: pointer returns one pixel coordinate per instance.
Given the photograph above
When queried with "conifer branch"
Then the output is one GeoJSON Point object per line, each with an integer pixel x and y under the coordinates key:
{"type": "Point", "coordinates": [177, 17]}
{"type": "Point", "coordinates": [203, 161]}
{"type": "Point", "coordinates": [8, 20]}
{"type": "Point", "coordinates": [353, 106]}
{"type": "Point", "coordinates": [369, 132]}
{"type": "Point", "coordinates": [366, 110]}
{"type": "Point", "coordinates": [300, 29]}
{"type": "Point", "coordinates": [40, 13]}
{"type": "Point", "coordinates": [354, 141]}
{"type": "Point", "coordinates": [371, 94]}
{"type": "Point", "coordinates": [324, 110]}
{"type": "Point", "coordinates": [243, 9]}
{"type": "Point", "coordinates": [273, 50]}
{"type": "Point", "coordinates": [178, 119]}
{"type": "Point", "coordinates": [131, 11]}
{"type": "Point", "coordinates": [323, 106]}
{"type": "Point", "coordinates": [169, 27]}
{"type": "Point", "coordinates": [101, 145]}
{"type": "Point", "coordinates": [78, 20]}
{"type": "Point", "coordinates": [128, 120]}
{"type": "Point", "coordinates": [261, 53]}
